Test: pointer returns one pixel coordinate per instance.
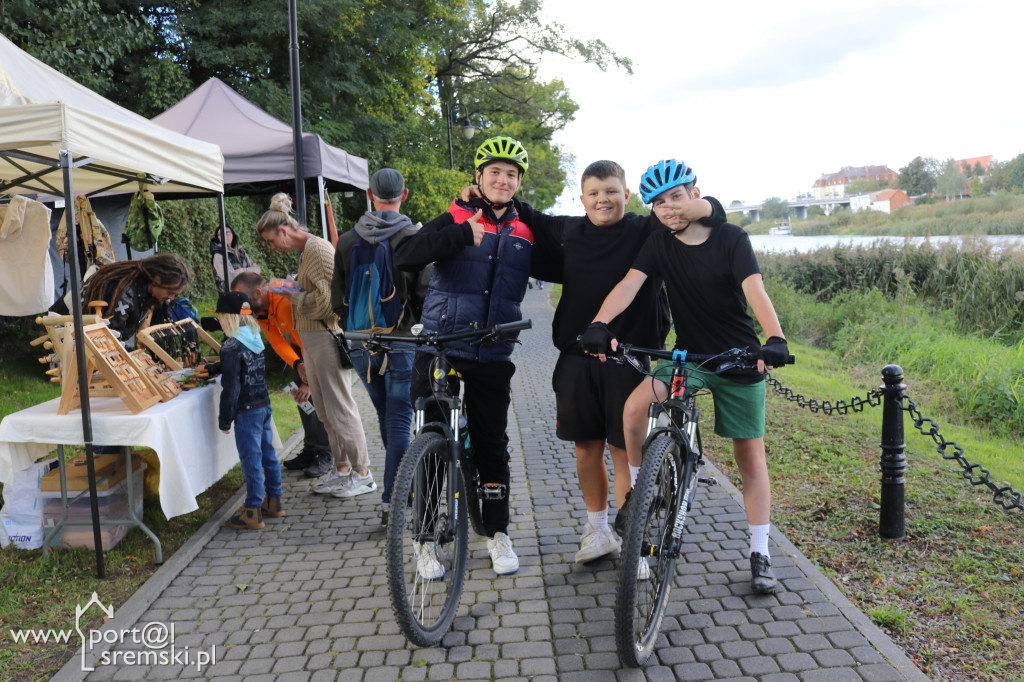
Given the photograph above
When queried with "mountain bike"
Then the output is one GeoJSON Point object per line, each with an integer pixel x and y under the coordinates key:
{"type": "Point", "coordinates": [664, 492]}
{"type": "Point", "coordinates": [437, 490]}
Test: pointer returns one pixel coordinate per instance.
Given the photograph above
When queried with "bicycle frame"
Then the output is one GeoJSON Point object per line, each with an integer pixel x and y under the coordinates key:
{"type": "Point", "coordinates": [681, 411]}
{"type": "Point", "coordinates": [442, 396]}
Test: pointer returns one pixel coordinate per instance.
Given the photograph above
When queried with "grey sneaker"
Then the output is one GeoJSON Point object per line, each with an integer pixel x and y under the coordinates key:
{"type": "Point", "coordinates": [330, 481]}
{"type": "Point", "coordinates": [503, 557]}
{"type": "Point", "coordinates": [427, 565]}
{"type": "Point", "coordinates": [762, 578]}
{"type": "Point", "coordinates": [596, 544]}
{"type": "Point", "coordinates": [355, 485]}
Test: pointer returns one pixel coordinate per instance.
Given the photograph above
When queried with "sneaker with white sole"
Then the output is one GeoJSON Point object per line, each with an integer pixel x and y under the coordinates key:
{"type": "Point", "coordinates": [596, 543]}
{"type": "Point", "coordinates": [427, 565]}
{"type": "Point", "coordinates": [355, 485]}
{"type": "Point", "coordinates": [643, 570]}
{"type": "Point", "coordinates": [330, 481]}
{"type": "Point", "coordinates": [503, 557]}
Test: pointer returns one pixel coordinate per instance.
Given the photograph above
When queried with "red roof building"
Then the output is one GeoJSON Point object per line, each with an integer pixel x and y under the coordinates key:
{"type": "Point", "coordinates": [834, 184]}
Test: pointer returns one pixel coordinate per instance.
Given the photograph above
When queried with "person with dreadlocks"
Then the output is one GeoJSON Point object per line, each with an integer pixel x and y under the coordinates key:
{"type": "Point", "coordinates": [483, 257]}
{"type": "Point", "coordinates": [133, 289]}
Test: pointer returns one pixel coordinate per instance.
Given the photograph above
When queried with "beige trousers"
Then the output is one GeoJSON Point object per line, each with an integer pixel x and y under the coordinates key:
{"type": "Point", "coordinates": [330, 388]}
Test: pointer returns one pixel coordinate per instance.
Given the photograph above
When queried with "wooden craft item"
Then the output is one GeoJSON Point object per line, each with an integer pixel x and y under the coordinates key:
{"type": "Point", "coordinates": [157, 337]}
{"type": "Point", "coordinates": [164, 383]}
{"type": "Point", "coordinates": [105, 354]}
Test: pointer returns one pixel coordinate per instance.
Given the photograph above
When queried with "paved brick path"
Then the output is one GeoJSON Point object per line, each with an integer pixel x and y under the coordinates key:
{"type": "Point", "coordinates": [306, 598]}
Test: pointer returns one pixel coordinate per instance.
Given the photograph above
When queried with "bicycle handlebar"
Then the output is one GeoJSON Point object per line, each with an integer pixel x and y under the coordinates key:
{"type": "Point", "coordinates": [738, 357]}
{"type": "Point", "coordinates": [434, 339]}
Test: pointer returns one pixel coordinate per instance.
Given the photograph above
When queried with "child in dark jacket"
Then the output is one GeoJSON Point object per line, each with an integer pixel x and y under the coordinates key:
{"type": "Point", "coordinates": [245, 401]}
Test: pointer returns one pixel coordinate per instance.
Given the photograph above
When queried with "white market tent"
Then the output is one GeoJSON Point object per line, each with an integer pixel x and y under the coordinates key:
{"type": "Point", "coordinates": [43, 112]}
{"type": "Point", "coordinates": [59, 138]}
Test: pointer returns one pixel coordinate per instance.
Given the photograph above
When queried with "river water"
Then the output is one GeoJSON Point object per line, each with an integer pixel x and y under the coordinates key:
{"type": "Point", "coordinates": [786, 243]}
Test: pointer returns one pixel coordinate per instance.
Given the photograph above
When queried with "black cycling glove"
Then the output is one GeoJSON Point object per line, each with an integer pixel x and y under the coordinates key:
{"type": "Point", "coordinates": [596, 339]}
{"type": "Point", "coordinates": [775, 352]}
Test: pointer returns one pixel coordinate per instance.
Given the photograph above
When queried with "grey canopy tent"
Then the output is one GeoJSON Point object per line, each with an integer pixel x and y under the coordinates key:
{"type": "Point", "coordinates": [59, 138]}
{"type": "Point", "coordinates": [259, 150]}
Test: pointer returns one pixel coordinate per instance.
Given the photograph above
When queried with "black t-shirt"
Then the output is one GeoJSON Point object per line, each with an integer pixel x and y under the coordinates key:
{"type": "Point", "coordinates": [704, 285]}
{"type": "Point", "coordinates": [595, 260]}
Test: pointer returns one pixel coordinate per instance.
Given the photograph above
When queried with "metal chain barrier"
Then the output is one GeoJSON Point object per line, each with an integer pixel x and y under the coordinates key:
{"type": "Point", "coordinates": [856, 404]}
{"type": "Point", "coordinates": [1005, 496]}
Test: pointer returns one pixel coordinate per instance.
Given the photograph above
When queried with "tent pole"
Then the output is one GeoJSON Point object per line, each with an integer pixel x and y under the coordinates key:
{"type": "Point", "coordinates": [83, 379]}
{"type": "Point", "coordinates": [323, 212]}
{"type": "Point", "coordinates": [224, 241]}
{"type": "Point", "coordinates": [293, 54]}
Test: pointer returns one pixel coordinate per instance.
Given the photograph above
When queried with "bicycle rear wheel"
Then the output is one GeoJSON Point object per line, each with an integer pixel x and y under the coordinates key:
{"type": "Point", "coordinates": [427, 541]}
{"type": "Point", "coordinates": [640, 604]}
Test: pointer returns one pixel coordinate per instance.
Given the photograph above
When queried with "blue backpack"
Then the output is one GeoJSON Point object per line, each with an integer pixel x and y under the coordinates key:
{"type": "Point", "coordinates": [180, 308]}
{"type": "Point", "coordinates": [370, 296]}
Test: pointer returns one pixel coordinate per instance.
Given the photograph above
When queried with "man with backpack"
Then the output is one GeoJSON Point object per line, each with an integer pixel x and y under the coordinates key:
{"type": "Point", "coordinates": [369, 295]}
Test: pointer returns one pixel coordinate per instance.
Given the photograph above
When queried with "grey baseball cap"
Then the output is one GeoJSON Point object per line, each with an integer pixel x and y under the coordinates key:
{"type": "Point", "coordinates": [387, 183]}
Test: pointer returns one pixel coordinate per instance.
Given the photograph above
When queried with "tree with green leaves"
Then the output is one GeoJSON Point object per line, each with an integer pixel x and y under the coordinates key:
{"type": "Point", "coordinates": [917, 177]}
{"type": "Point", "coordinates": [951, 180]}
{"type": "Point", "coordinates": [775, 209]}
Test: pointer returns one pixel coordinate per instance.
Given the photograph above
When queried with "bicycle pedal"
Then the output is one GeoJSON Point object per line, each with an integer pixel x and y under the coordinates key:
{"type": "Point", "coordinates": [707, 480]}
{"type": "Point", "coordinates": [494, 491]}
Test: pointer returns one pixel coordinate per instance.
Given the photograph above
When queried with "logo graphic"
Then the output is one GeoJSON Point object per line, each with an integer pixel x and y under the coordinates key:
{"type": "Point", "coordinates": [79, 612]}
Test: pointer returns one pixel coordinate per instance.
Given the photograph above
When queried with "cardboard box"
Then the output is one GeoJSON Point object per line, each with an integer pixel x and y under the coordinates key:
{"type": "Point", "coordinates": [77, 473]}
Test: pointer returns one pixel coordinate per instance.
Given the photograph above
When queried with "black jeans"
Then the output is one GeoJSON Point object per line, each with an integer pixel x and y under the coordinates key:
{"type": "Point", "coordinates": [315, 434]}
{"type": "Point", "coordinates": [487, 396]}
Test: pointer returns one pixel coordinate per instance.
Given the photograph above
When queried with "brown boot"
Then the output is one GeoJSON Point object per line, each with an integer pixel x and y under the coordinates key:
{"type": "Point", "coordinates": [271, 507]}
{"type": "Point", "coordinates": [249, 518]}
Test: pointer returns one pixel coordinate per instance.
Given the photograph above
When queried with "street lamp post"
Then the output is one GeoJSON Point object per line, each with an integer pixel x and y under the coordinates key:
{"type": "Point", "coordinates": [465, 125]}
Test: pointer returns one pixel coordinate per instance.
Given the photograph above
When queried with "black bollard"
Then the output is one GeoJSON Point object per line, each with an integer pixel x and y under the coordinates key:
{"type": "Point", "coordinates": [893, 462]}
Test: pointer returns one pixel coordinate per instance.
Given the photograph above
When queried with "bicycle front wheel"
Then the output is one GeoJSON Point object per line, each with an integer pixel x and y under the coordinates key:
{"type": "Point", "coordinates": [427, 541]}
{"type": "Point", "coordinates": [640, 602]}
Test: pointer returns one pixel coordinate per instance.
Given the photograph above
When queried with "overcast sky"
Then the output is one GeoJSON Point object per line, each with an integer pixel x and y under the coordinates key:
{"type": "Point", "coordinates": [763, 98]}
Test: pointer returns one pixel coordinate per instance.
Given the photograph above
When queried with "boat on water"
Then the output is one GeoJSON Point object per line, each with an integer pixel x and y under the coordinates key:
{"type": "Point", "coordinates": [780, 229]}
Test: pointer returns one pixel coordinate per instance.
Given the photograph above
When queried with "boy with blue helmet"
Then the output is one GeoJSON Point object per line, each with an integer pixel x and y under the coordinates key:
{"type": "Point", "coordinates": [711, 275]}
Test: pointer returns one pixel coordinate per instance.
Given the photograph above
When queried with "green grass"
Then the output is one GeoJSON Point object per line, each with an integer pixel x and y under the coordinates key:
{"type": "Point", "coordinates": [951, 594]}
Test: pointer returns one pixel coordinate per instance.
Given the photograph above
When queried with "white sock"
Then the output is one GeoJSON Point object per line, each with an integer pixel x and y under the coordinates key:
{"type": "Point", "coordinates": [599, 519]}
{"type": "Point", "coordinates": [633, 471]}
{"type": "Point", "coordinates": [759, 539]}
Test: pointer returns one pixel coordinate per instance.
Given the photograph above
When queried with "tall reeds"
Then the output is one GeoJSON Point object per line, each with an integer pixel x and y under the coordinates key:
{"type": "Point", "coordinates": [953, 317]}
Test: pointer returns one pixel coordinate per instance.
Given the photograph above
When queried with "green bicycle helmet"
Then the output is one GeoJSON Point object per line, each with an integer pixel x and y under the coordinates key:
{"type": "Point", "coordinates": [502, 149]}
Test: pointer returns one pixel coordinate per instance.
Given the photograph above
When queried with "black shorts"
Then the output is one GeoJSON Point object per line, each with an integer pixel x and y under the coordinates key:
{"type": "Point", "coordinates": [590, 395]}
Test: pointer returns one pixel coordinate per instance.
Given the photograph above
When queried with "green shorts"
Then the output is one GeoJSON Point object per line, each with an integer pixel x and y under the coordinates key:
{"type": "Point", "coordinates": [739, 408]}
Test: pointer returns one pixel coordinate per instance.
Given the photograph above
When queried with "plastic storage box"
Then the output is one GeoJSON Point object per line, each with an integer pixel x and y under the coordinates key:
{"type": "Point", "coordinates": [112, 502]}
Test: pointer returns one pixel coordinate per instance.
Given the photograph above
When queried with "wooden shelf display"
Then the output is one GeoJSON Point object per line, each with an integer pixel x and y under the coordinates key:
{"type": "Point", "coordinates": [107, 356]}
{"type": "Point", "coordinates": [177, 344]}
{"type": "Point", "coordinates": [164, 383]}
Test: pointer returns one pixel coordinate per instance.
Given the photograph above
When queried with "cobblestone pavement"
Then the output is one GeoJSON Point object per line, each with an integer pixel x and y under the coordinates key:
{"type": "Point", "coordinates": [306, 598]}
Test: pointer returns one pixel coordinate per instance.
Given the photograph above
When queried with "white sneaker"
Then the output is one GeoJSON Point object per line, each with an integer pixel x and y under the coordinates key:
{"type": "Point", "coordinates": [643, 571]}
{"type": "Point", "coordinates": [427, 565]}
{"type": "Point", "coordinates": [503, 558]}
{"type": "Point", "coordinates": [355, 485]}
{"type": "Point", "coordinates": [596, 543]}
{"type": "Point", "coordinates": [329, 481]}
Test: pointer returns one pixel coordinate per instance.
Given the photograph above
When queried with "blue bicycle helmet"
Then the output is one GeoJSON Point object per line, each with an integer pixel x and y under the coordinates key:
{"type": "Point", "coordinates": [664, 175]}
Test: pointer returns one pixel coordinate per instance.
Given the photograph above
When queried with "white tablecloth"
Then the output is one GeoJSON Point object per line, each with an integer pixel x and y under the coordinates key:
{"type": "Point", "coordinates": [193, 452]}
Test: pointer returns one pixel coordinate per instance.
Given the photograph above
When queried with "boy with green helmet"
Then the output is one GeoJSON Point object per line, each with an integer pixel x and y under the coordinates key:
{"type": "Point", "coordinates": [483, 256]}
